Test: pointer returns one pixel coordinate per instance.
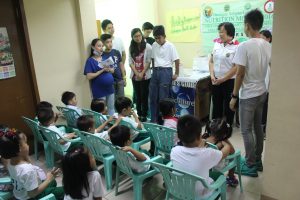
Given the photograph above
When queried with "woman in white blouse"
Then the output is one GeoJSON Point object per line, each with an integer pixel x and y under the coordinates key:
{"type": "Point", "coordinates": [139, 61]}
{"type": "Point", "coordinates": [222, 71]}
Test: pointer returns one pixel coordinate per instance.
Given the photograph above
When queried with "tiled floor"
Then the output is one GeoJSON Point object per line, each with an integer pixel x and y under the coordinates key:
{"type": "Point", "coordinates": [153, 189]}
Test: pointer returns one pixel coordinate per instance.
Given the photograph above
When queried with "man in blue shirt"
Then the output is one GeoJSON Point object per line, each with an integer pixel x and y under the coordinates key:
{"type": "Point", "coordinates": [119, 73]}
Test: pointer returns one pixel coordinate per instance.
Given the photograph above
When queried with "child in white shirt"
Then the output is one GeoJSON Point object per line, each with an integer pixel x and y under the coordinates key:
{"type": "Point", "coordinates": [81, 180]}
{"type": "Point", "coordinates": [167, 109]}
{"type": "Point", "coordinates": [193, 156]}
{"type": "Point", "coordinates": [46, 118]}
{"type": "Point", "coordinates": [120, 136]}
{"type": "Point", "coordinates": [123, 106]}
{"type": "Point", "coordinates": [29, 180]}
{"type": "Point", "coordinates": [69, 99]}
{"type": "Point", "coordinates": [86, 123]}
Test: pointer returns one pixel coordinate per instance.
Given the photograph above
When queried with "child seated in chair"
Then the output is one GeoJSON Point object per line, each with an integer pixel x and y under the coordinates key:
{"type": "Point", "coordinates": [86, 123]}
{"type": "Point", "coordinates": [193, 157]}
{"type": "Point", "coordinates": [217, 130]}
{"type": "Point", "coordinates": [46, 118]}
{"type": "Point", "coordinates": [69, 99]}
{"type": "Point", "coordinates": [42, 105]}
{"type": "Point", "coordinates": [168, 110]}
{"type": "Point", "coordinates": [30, 181]}
{"type": "Point", "coordinates": [99, 106]}
{"type": "Point", "coordinates": [120, 136]}
{"type": "Point", "coordinates": [123, 106]}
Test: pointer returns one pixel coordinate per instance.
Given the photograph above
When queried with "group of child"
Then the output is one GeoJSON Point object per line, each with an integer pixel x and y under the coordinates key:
{"type": "Point", "coordinates": [81, 180]}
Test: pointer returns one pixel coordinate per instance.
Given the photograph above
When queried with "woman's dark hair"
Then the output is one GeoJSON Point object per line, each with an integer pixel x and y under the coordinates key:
{"type": "Point", "coordinates": [188, 129]}
{"type": "Point", "coordinates": [219, 129]}
{"type": "Point", "coordinates": [166, 106]}
{"type": "Point", "coordinates": [75, 167]}
{"type": "Point", "coordinates": [105, 23]}
{"type": "Point", "coordinates": [147, 26]}
{"type": "Point", "coordinates": [119, 135]}
{"type": "Point", "coordinates": [267, 34]}
{"type": "Point", "coordinates": [93, 43]}
{"type": "Point", "coordinates": [85, 122]}
{"type": "Point", "coordinates": [135, 48]}
{"type": "Point", "coordinates": [229, 27]}
{"type": "Point", "coordinates": [255, 19]}
{"type": "Point", "coordinates": [98, 105]}
{"type": "Point", "coordinates": [9, 142]}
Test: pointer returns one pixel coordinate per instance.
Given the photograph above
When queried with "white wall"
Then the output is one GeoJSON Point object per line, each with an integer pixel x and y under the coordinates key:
{"type": "Point", "coordinates": [125, 16]}
{"type": "Point", "coordinates": [281, 176]}
{"type": "Point", "coordinates": [59, 46]}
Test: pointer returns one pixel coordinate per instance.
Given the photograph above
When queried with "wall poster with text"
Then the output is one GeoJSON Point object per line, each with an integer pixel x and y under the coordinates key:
{"type": "Point", "coordinates": [7, 67]}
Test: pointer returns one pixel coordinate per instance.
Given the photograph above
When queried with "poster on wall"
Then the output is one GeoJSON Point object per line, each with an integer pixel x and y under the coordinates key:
{"type": "Point", "coordinates": [212, 14]}
{"type": "Point", "coordinates": [183, 25]}
{"type": "Point", "coordinates": [7, 67]}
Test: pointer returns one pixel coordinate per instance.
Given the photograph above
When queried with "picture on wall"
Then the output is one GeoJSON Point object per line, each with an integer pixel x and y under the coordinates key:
{"type": "Point", "coordinates": [7, 67]}
{"type": "Point", "coordinates": [213, 14]}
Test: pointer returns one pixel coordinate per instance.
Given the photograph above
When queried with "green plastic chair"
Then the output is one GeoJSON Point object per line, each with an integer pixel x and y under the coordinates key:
{"type": "Point", "coordinates": [98, 117]}
{"type": "Point", "coordinates": [70, 115]}
{"type": "Point", "coordinates": [164, 139]}
{"type": "Point", "coordinates": [5, 195]}
{"type": "Point", "coordinates": [181, 185]}
{"type": "Point", "coordinates": [94, 144]}
{"type": "Point", "coordinates": [48, 197]}
{"type": "Point", "coordinates": [122, 159]}
{"type": "Point", "coordinates": [34, 126]}
{"type": "Point", "coordinates": [54, 143]}
{"type": "Point", "coordinates": [233, 161]}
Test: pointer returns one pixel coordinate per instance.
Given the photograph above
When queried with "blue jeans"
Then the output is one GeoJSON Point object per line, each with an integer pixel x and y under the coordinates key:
{"type": "Point", "coordinates": [110, 103]}
{"type": "Point", "coordinates": [250, 117]}
{"type": "Point", "coordinates": [160, 88]}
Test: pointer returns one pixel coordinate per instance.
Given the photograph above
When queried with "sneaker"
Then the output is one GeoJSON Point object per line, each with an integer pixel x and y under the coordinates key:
{"type": "Point", "coordinates": [232, 181]}
{"type": "Point", "coordinates": [248, 171]}
{"type": "Point", "coordinates": [259, 166]}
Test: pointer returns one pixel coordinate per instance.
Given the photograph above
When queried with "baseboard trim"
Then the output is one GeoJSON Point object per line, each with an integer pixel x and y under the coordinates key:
{"type": "Point", "coordinates": [264, 197]}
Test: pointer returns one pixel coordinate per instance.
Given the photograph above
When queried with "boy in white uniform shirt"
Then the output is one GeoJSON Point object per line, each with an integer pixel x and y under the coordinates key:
{"type": "Point", "coordinates": [164, 54]}
{"type": "Point", "coordinates": [69, 99]}
{"type": "Point", "coordinates": [252, 59]}
{"type": "Point", "coordinates": [193, 157]}
{"type": "Point", "coordinates": [123, 107]}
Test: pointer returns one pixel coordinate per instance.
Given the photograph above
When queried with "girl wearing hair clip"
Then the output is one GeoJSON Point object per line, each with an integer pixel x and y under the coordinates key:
{"type": "Point", "coordinates": [29, 181]}
{"type": "Point", "coordinates": [218, 130]}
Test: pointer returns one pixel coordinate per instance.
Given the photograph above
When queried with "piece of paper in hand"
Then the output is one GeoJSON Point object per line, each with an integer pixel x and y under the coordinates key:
{"type": "Point", "coordinates": [108, 62]}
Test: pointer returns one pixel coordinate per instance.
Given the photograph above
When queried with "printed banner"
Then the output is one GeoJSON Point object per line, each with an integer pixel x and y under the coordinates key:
{"type": "Point", "coordinates": [7, 67]}
{"type": "Point", "coordinates": [184, 98]}
{"type": "Point", "coordinates": [212, 14]}
{"type": "Point", "coordinates": [183, 25]}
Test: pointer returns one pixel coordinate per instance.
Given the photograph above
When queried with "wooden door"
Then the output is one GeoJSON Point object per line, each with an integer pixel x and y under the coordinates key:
{"type": "Point", "coordinates": [19, 94]}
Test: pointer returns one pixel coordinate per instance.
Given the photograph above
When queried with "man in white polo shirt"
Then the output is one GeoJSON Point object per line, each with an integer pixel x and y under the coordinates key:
{"type": "Point", "coordinates": [163, 55]}
{"type": "Point", "coordinates": [252, 59]}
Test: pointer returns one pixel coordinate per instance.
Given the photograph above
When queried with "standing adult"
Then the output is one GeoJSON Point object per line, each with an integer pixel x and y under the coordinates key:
{"type": "Point", "coordinates": [108, 28]}
{"type": "Point", "coordinates": [266, 35]}
{"type": "Point", "coordinates": [252, 59]}
{"type": "Point", "coordinates": [100, 76]}
{"type": "Point", "coordinates": [222, 72]}
{"type": "Point", "coordinates": [139, 60]}
{"type": "Point", "coordinates": [164, 54]}
{"type": "Point", "coordinates": [147, 30]}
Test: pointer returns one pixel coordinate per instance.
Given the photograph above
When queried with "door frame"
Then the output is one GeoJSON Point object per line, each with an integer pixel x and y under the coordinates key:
{"type": "Point", "coordinates": [28, 53]}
